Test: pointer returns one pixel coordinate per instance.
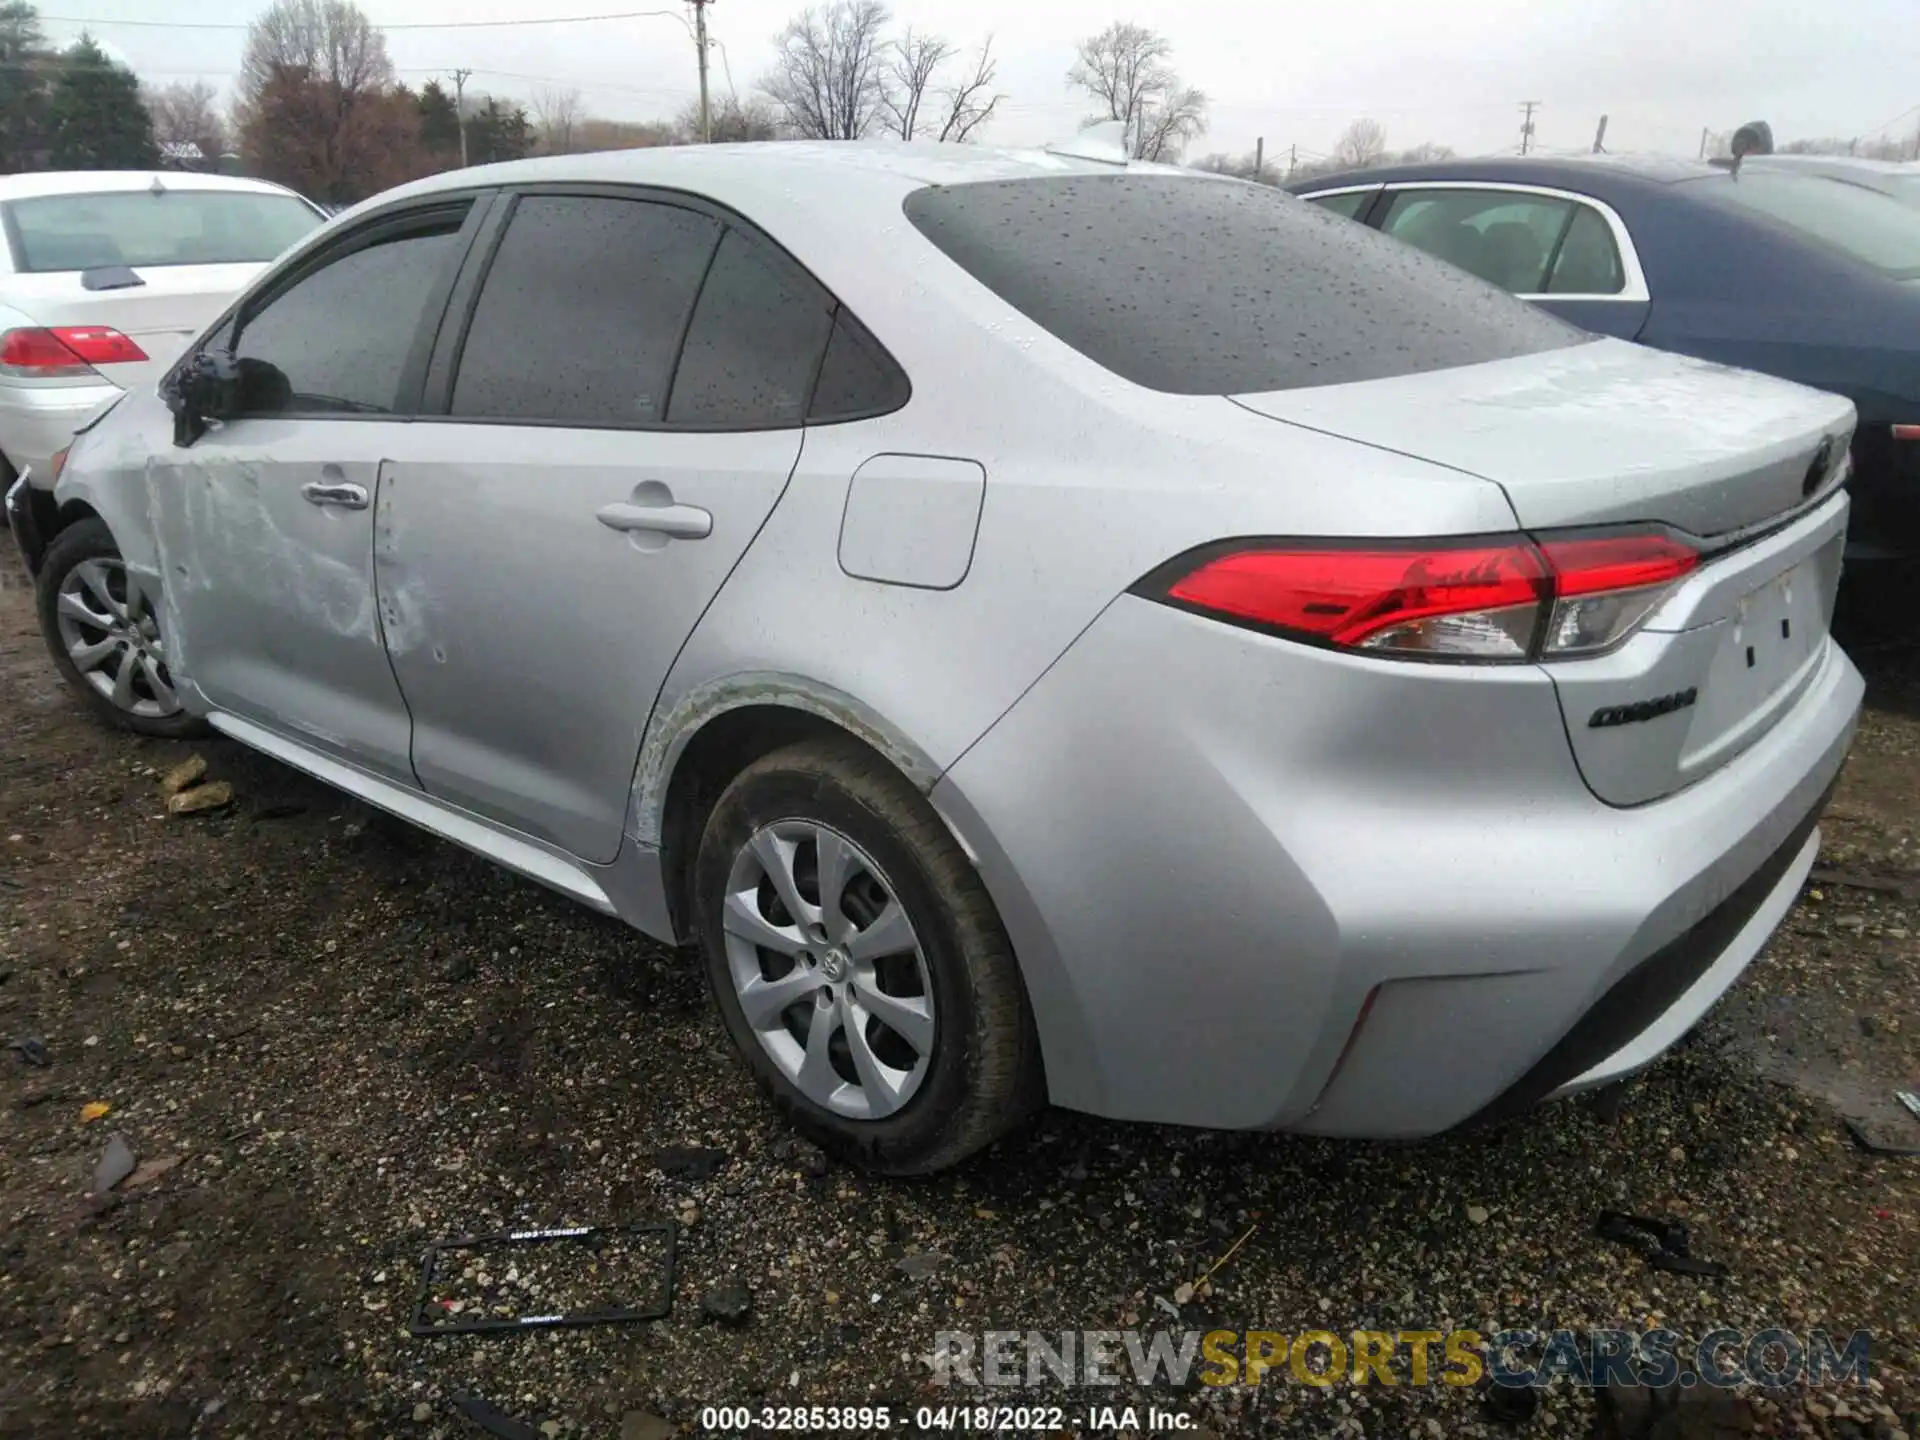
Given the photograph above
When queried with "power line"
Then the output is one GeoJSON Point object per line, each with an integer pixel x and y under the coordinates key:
{"type": "Point", "coordinates": [405, 25]}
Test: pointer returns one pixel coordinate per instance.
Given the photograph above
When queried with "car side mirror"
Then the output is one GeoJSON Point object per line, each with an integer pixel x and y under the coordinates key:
{"type": "Point", "coordinates": [206, 388]}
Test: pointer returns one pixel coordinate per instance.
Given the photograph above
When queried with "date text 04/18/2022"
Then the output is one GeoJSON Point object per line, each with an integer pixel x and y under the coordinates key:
{"type": "Point", "coordinates": [978, 1419]}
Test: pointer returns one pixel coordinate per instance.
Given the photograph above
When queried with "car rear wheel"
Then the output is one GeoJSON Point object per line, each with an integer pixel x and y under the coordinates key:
{"type": "Point", "coordinates": [104, 631]}
{"type": "Point", "coordinates": [859, 964]}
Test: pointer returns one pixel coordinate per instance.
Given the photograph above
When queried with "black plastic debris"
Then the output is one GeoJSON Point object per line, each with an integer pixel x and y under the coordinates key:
{"type": "Point", "coordinates": [432, 1316]}
{"type": "Point", "coordinates": [32, 1051]}
{"type": "Point", "coordinates": [1669, 1248]}
{"type": "Point", "coordinates": [690, 1162]}
{"type": "Point", "coordinates": [492, 1419]}
{"type": "Point", "coordinates": [1874, 1145]}
{"type": "Point", "coordinates": [116, 1163]}
{"type": "Point", "coordinates": [729, 1302]}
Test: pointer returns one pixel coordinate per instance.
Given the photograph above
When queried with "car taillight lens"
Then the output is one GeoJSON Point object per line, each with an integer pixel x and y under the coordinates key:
{"type": "Point", "coordinates": [1507, 599]}
{"type": "Point", "coordinates": [64, 350]}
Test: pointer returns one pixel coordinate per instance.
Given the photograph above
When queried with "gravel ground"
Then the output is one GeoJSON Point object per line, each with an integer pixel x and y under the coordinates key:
{"type": "Point", "coordinates": [353, 1041]}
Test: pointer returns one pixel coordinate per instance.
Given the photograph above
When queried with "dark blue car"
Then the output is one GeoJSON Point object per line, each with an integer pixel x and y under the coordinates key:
{"type": "Point", "coordinates": [1799, 275]}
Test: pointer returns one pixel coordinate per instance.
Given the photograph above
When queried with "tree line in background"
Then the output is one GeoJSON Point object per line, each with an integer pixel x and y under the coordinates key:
{"type": "Point", "coordinates": [319, 106]}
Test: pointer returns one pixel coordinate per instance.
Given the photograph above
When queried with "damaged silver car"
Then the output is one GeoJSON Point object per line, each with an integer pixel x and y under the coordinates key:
{"type": "Point", "coordinates": [1045, 627]}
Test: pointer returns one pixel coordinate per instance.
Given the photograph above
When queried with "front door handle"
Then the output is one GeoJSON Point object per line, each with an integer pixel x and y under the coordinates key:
{"type": "Point", "coordinates": [347, 497]}
{"type": "Point", "coordinates": [681, 522]}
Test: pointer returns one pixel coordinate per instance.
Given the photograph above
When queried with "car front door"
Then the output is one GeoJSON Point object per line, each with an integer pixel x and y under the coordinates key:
{"type": "Point", "coordinates": [265, 523]}
{"type": "Point", "coordinates": [1568, 254]}
{"type": "Point", "coordinates": [617, 419]}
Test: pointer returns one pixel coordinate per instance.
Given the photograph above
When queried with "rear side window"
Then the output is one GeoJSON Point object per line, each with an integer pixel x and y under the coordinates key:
{"type": "Point", "coordinates": [1504, 238]}
{"type": "Point", "coordinates": [582, 312]}
{"type": "Point", "coordinates": [337, 340]}
{"type": "Point", "coordinates": [1589, 260]}
{"type": "Point", "coordinates": [1202, 287]}
{"type": "Point", "coordinates": [754, 347]}
{"type": "Point", "coordinates": [1349, 204]}
{"type": "Point", "coordinates": [858, 379]}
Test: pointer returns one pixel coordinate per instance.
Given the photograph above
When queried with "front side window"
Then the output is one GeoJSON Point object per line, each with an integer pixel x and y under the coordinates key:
{"type": "Point", "coordinates": [337, 341]}
{"type": "Point", "coordinates": [143, 229]}
{"type": "Point", "coordinates": [1195, 286]}
{"type": "Point", "coordinates": [583, 310]}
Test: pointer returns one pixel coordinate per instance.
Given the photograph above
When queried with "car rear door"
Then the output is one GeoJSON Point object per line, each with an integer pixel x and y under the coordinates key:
{"type": "Point", "coordinates": [1567, 253]}
{"type": "Point", "coordinates": [619, 400]}
{"type": "Point", "coordinates": [265, 523]}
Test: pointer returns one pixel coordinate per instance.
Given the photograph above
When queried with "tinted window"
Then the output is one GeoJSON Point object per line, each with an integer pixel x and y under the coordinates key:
{"type": "Point", "coordinates": [176, 227]}
{"type": "Point", "coordinates": [339, 339]}
{"type": "Point", "coordinates": [583, 310]}
{"type": "Point", "coordinates": [1349, 204]}
{"type": "Point", "coordinates": [1502, 237]}
{"type": "Point", "coordinates": [1200, 287]}
{"type": "Point", "coordinates": [857, 379]}
{"type": "Point", "coordinates": [755, 342]}
{"type": "Point", "coordinates": [1875, 229]}
{"type": "Point", "coordinates": [1589, 261]}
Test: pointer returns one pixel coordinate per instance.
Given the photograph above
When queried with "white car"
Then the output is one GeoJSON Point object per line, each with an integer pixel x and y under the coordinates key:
{"type": "Point", "coordinates": [104, 278]}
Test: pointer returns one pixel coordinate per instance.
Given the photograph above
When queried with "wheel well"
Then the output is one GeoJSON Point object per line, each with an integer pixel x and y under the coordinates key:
{"type": "Point", "coordinates": [718, 751]}
{"type": "Point", "coordinates": [74, 511]}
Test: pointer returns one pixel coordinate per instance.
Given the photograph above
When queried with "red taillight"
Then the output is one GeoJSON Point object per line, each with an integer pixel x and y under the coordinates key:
{"type": "Point", "coordinates": [1906, 432]}
{"type": "Point", "coordinates": [1507, 599]}
{"type": "Point", "coordinates": [64, 350]}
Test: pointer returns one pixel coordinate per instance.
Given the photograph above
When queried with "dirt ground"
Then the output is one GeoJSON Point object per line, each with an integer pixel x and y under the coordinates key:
{"type": "Point", "coordinates": [354, 1041]}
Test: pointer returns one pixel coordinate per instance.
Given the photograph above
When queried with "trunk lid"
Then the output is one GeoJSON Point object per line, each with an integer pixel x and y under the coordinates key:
{"type": "Point", "coordinates": [1613, 434]}
{"type": "Point", "coordinates": [162, 315]}
{"type": "Point", "coordinates": [1595, 434]}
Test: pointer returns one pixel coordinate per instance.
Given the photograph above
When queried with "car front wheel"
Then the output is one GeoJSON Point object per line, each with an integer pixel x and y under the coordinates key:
{"type": "Point", "coordinates": [859, 964]}
{"type": "Point", "coordinates": [105, 633]}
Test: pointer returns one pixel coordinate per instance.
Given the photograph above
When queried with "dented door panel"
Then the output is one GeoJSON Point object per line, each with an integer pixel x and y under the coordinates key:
{"type": "Point", "coordinates": [274, 591]}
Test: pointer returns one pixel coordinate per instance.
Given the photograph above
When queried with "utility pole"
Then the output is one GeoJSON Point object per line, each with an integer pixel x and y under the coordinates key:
{"type": "Point", "coordinates": [1704, 132]}
{"type": "Point", "coordinates": [700, 44]}
{"type": "Point", "coordinates": [460, 78]}
{"type": "Point", "coordinates": [1600, 137]}
{"type": "Point", "coordinates": [1527, 107]}
{"type": "Point", "coordinates": [1293, 159]}
{"type": "Point", "coordinates": [1260, 159]}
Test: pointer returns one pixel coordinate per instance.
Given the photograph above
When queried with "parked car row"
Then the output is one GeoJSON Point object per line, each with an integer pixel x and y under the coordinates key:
{"type": "Point", "coordinates": [1046, 627]}
{"type": "Point", "coordinates": [1802, 267]}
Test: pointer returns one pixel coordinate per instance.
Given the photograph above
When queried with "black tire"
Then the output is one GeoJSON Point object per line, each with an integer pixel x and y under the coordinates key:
{"type": "Point", "coordinates": [91, 540]}
{"type": "Point", "coordinates": [984, 1075]}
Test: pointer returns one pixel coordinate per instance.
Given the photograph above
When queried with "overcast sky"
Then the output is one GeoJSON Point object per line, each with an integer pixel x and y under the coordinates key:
{"type": "Point", "coordinates": [1452, 71]}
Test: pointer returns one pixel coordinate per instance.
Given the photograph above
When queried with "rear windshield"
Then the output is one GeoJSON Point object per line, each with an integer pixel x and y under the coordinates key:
{"type": "Point", "coordinates": [1202, 287]}
{"type": "Point", "coordinates": [140, 228]}
{"type": "Point", "coordinates": [1874, 229]}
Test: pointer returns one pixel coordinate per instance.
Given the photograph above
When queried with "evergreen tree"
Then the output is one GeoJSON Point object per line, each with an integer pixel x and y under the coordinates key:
{"type": "Point", "coordinates": [498, 132]}
{"type": "Point", "coordinates": [439, 123]}
{"type": "Point", "coordinates": [97, 120]}
{"type": "Point", "coordinates": [24, 63]}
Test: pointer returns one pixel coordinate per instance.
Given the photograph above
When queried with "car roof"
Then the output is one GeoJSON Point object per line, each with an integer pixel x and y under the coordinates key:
{"type": "Point", "coordinates": [1847, 163]}
{"type": "Point", "coordinates": [97, 182]}
{"type": "Point", "coordinates": [1577, 171]}
{"type": "Point", "coordinates": [739, 173]}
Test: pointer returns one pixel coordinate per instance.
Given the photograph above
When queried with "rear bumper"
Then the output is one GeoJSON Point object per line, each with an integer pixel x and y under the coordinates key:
{"type": "Point", "coordinates": [1253, 885]}
{"type": "Point", "coordinates": [37, 422]}
{"type": "Point", "coordinates": [27, 511]}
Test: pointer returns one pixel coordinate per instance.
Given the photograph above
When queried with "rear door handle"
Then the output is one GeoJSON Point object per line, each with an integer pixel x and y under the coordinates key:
{"type": "Point", "coordinates": [682, 522]}
{"type": "Point", "coordinates": [346, 496]}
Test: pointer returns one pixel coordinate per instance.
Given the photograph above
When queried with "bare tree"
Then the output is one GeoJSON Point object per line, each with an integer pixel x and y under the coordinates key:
{"type": "Point", "coordinates": [187, 114]}
{"type": "Point", "coordinates": [556, 113]}
{"type": "Point", "coordinates": [1125, 69]}
{"type": "Point", "coordinates": [330, 41]}
{"type": "Point", "coordinates": [968, 104]}
{"type": "Point", "coordinates": [830, 71]}
{"type": "Point", "coordinates": [732, 120]}
{"type": "Point", "coordinates": [912, 62]}
{"type": "Point", "coordinates": [1361, 144]}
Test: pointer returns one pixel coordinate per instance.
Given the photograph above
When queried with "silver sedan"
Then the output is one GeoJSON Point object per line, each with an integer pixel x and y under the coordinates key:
{"type": "Point", "coordinates": [1043, 627]}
